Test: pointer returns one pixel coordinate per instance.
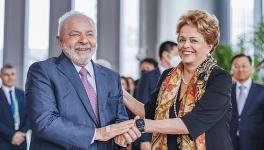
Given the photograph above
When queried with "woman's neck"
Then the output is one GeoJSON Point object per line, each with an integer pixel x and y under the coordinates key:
{"type": "Point", "coordinates": [189, 69]}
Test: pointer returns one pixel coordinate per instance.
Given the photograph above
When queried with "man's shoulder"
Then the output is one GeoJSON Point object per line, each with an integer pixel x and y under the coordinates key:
{"type": "Point", "coordinates": [258, 86]}
{"type": "Point", "coordinates": [46, 64]}
{"type": "Point", "coordinates": [106, 70]}
{"type": "Point", "coordinates": [19, 90]}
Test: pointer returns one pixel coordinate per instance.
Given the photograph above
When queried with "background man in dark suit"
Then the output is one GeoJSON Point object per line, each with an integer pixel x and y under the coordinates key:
{"type": "Point", "coordinates": [13, 118]}
{"type": "Point", "coordinates": [247, 124]}
{"type": "Point", "coordinates": [168, 51]}
{"type": "Point", "coordinates": [168, 55]}
{"type": "Point", "coordinates": [72, 101]}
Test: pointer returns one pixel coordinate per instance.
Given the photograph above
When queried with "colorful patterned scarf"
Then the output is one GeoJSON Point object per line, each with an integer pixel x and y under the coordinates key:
{"type": "Point", "coordinates": [167, 98]}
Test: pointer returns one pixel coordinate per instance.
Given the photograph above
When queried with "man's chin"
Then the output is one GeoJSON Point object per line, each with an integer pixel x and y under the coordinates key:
{"type": "Point", "coordinates": [81, 61]}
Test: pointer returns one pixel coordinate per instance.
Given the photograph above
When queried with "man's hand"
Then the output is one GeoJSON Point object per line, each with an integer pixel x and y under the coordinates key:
{"type": "Point", "coordinates": [120, 140]}
{"type": "Point", "coordinates": [18, 138]}
{"type": "Point", "coordinates": [108, 132]}
{"type": "Point", "coordinates": [128, 137]}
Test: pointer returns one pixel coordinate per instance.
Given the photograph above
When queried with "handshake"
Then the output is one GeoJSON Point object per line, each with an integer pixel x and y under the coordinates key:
{"type": "Point", "coordinates": [124, 133]}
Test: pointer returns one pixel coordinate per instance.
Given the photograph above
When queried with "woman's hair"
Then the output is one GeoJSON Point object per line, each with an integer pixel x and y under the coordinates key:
{"type": "Point", "coordinates": [206, 24]}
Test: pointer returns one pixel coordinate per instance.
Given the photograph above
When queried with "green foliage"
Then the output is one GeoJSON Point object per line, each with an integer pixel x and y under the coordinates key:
{"type": "Point", "coordinates": [258, 40]}
{"type": "Point", "coordinates": [223, 54]}
{"type": "Point", "coordinates": [242, 41]}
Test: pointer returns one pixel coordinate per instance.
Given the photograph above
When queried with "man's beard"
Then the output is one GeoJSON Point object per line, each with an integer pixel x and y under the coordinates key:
{"type": "Point", "coordinates": [80, 58]}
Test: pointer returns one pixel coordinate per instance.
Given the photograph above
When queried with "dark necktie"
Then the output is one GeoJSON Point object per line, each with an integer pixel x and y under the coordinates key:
{"type": "Point", "coordinates": [12, 104]}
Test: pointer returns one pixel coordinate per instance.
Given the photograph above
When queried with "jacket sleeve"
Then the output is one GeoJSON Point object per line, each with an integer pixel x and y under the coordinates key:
{"type": "Point", "coordinates": [212, 106]}
{"type": "Point", "coordinates": [6, 132]}
{"type": "Point", "coordinates": [25, 124]}
{"type": "Point", "coordinates": [121, 112]}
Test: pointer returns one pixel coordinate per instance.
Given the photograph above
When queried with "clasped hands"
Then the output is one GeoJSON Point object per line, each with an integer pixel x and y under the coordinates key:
{"type": "Point", "coordinates": [124, 133]}
{"type": "Point", "coordinates": [18, 138]}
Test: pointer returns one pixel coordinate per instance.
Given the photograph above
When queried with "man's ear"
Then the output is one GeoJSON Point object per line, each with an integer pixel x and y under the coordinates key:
{"type": "Point", "coordinates": [164, 55]}
{"type": "Point", "coordinates": [59, 40]}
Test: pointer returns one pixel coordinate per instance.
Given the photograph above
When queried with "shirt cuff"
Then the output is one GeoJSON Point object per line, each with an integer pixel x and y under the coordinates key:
{"type": "Point", "coordinates": [93, 136]}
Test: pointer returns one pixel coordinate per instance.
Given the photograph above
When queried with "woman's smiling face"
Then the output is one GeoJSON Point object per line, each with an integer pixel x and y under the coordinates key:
{"type": "Point", "coordinates": [193, 48]}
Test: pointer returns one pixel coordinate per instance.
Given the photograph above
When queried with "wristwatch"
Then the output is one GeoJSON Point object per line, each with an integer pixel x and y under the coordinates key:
{"type": "Point", "coordinates": [140, 123]}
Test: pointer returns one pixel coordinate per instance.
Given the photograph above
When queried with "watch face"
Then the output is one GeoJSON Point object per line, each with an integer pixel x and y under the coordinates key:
{"type": "Point", "coordinates": [140, 124]}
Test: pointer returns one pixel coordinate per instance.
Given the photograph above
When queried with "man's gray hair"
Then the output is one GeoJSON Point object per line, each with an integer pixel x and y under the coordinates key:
{"type": "Point", "coordinates": [69, 14]}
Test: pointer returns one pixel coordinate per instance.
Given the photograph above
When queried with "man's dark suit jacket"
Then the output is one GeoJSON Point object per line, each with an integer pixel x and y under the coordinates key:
{"type": "Point", "coordinates": [7, 128]}
{"type": "Point", "coordinates": [251, 124]}
{"type": "Point", "coordinates": [59, 108]}
{"type": "Point", "coordinates": [147, 84]}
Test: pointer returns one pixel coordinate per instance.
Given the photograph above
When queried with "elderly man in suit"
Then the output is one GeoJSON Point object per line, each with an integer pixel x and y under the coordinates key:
{"type": "Point", "coordinates": [13, 118]}
{"type": "Point", "coordinates": [247, 123]}
{"type": "Point", "coordinates": [73, 102]}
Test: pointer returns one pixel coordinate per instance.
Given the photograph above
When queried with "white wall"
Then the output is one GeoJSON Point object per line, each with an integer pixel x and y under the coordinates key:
{"type": "Point", "coordinates": [171, 10]}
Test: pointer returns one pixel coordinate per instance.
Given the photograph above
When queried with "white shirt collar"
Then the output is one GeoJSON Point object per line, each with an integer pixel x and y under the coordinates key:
{"type": "Point", "coordinates": [246, 84]}
{"type": "Point", "coordinates": [161, 68]}
{"type": "Point", "coordinates": [7, 89]}
{"type": "Point", "coordinates": [88, 67]}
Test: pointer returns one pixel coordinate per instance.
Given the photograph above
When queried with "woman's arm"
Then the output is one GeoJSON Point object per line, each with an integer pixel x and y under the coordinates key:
{"type": "Point", "coordinates": [166, 126]}
{"type": "Point", "coordinates": [135, 106]}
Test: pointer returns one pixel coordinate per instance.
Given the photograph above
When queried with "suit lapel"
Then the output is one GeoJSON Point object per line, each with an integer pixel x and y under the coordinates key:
{"type": "Point", "coordinates": [101, 85]}
{"type": "Point", "coordinates": [249, 99]}
{"type": "Point", "coordinates": [68, 69]}
{"type": "Point", "coordinates": [234, 101]}
{"type": "Point", "coordinates": [5, 103]}
{"type": "Point", "coordinates": [20, 103]}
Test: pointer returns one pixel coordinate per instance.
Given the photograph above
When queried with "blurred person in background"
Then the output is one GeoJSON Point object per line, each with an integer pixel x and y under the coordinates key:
{"type": "Point", "coordinates": [131, 85]}
{"type": "Point", "coordinates": [104, 63]}
{"type": "Point", "coordinates": [124, 83]}
{"type": "Point", "coordinates": [247, 123]}
{"type": "Point", "coordinates": [14, 122]}
{"type": "Point", "coordinates": [147, 64]}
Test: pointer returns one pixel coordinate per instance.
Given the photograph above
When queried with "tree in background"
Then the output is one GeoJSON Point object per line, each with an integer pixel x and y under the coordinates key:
{"type": "Point", "coordinates": [223, 54]}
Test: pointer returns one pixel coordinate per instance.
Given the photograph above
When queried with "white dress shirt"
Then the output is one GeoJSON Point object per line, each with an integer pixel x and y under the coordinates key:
{"type": "Point", "coordinates": [6, 91]}
{"type": "Point", "coordinates": [247, 86]}
{"type": "Point", "coordinates": [16, 116]}
{"type": "Point", "coordinates": [91, 79]}
{"type": "Point", "coordinates": [162, 69]}
{"type": "Point", "coordinates": [90, 75]}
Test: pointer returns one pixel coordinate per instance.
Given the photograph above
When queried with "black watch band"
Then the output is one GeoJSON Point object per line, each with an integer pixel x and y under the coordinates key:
{"type": "Point", "coordinates": [140, 123]}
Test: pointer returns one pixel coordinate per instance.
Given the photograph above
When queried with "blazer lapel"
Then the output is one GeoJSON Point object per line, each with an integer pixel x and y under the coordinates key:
{"type": "Point", "coordinates": [68, 69]}
{"type": "Point", "coordinates": [20, 104]}
{"type": "Point", "coordinates": [249, 99]}
{"type": "Point", "coordinates": [234, 101]}
{"type": "Point", "coordinates": [6, 104]}
{"type": "Point", "coordinates": [101, 90]}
